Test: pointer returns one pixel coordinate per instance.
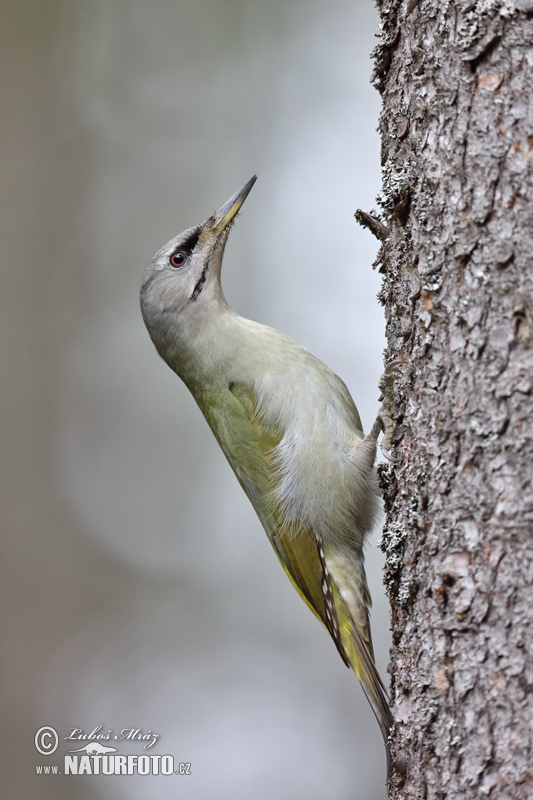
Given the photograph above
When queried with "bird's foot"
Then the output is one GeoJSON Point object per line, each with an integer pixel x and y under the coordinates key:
{"type": "Point", "coordinates": [384, 420]}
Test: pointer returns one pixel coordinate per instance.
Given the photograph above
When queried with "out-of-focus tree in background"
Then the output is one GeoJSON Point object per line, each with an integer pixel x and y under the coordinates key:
{"type": "Point", "coordinates": [138, 588]}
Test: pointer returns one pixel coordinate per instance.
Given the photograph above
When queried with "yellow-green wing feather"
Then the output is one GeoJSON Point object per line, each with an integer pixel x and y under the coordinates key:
{"type": "Point", "coordinates": [249, 446]}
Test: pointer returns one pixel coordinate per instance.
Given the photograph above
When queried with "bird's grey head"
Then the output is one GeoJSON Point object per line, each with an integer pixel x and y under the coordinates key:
{"type": "Point", "coordinates": [182, 281]}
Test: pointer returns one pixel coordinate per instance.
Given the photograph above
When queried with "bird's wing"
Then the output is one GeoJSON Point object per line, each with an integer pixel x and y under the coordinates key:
{"type": "Point", "coordinates": [249, 444]}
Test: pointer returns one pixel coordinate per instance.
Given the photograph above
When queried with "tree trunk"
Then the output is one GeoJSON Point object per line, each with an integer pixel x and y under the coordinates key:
{"type": "Point", "coordinates": [457, 154]}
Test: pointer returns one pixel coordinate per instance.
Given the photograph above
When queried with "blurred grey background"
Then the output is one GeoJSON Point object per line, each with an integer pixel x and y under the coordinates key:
{"type": "Point", "coordinates": [138, 588]}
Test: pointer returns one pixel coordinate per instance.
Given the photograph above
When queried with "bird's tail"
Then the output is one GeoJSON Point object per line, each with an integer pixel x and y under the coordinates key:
{"type": "Point", "coordinates": [352, 600]}
{"type": "Point", "coordinates": [362, 663]}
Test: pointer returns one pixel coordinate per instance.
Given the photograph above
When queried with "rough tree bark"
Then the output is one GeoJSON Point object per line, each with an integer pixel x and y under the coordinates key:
{"type": "Point", "coordinates": [457, 153]}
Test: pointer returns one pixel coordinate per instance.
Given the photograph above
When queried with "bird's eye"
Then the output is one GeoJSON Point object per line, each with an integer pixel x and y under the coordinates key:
{"type": "Point", "coordinates": [178, 258]}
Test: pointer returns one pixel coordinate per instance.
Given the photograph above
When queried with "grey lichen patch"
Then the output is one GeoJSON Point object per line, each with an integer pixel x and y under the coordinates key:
{"type": "Point", "coordinates": [382, 53]}
{"type": "Point", "coordinates": [393, 543]}
{"type": "Point", "coordinates": [396, 187]}
{"type": "Point", "coordinates": [427, 713]}
{"type": "Point", "coordinates": [382, 36]}
{"type": "Point", "coordinates": [394, 539]}
{"type": "Point", "coordinates": [404, 593]}
{"type": "Point", "coordinates": [434, 284]}
{"type": "Point", "coordinates": [505, 8]}
{"type": "Point", "coordinates": [425, 201]}
{"type": "Point", "coordinates": [472, 28]}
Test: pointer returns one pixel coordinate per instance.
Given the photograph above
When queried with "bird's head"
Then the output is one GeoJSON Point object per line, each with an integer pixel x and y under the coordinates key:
{"type": "Point", "coordinates": [185, 274]}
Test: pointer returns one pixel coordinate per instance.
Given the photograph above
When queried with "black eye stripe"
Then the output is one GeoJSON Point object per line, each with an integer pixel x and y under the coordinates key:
{"type": "Point", "coordinates": [189, 244]}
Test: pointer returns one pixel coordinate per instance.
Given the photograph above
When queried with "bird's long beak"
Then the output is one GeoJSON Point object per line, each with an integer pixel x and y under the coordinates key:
{"type": "Point", "coordinates": [222, 218]}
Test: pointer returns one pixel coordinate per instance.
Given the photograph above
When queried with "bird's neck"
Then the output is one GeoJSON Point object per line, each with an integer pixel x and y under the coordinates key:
{"type": "Point", "coordinates": [199, 343]}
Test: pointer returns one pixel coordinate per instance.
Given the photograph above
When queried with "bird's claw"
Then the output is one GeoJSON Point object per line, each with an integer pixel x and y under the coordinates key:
{"type": "Point", "coordinates": [384, 422]}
